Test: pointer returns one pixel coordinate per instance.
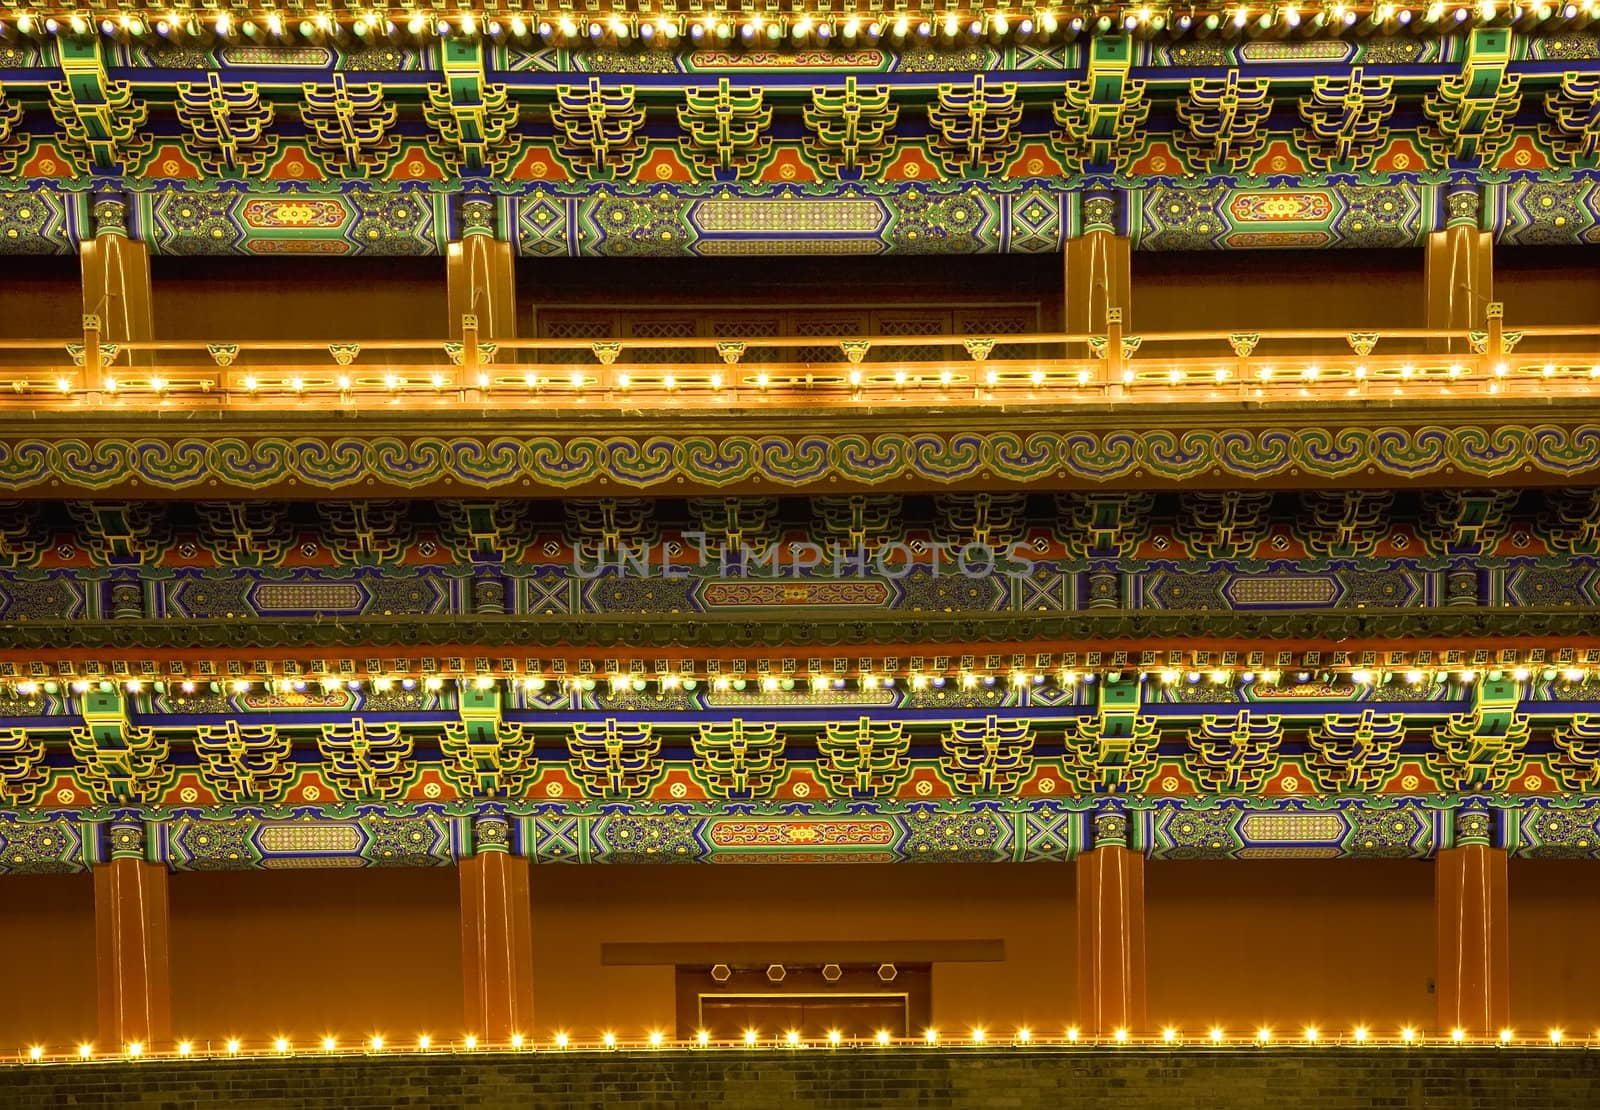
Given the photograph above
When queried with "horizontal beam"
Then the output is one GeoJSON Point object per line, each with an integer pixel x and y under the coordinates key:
{"type": "Point", "coordinates": [751, 953]}
{"type": "Point", "coordinates": [1081, 373]}
{"type": "Point", "coordinates": [143, 649]}
{"type": "Point", "coordinates": [473, 450]}
{"type": "Point", "coordinates": [998, 831]}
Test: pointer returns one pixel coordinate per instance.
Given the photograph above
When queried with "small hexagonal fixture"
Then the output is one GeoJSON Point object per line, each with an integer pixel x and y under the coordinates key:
{"type": "Point", "coordinates": [887, 972]}
{"type": "Point", "coordinates": [775, 973]}
{"type": "Point", "coordinates": [722, 973]}
{"type": "Point", "coordinates": [831, 973]}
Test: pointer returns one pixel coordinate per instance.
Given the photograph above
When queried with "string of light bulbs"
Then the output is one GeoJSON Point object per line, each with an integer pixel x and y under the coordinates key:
{"type": "Point", "coordinates": [977, 1036]}
{"type": "Point", "coordinates": [766, 683]}
{"type": "Point", "coordinates": [951, 27]}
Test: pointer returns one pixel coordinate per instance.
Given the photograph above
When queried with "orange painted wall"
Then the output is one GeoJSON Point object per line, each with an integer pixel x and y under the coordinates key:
{"type": "Point", "coordinates": [41, 298]}
{"type": "Point", "coordinates": [1290, 942]}
{"type": "Point", "coordinates": [1555, 978]}
{"type": "Point", "coordinates": [1249, 290]}
{"type": "Point", "coordinates": [577, 909]}
{"type": "Point", "coordinates": [224, 298]}
{"type": "Point", "coordinates": [1547, 285]}
{"type": "Point", "coordinates": [47, 978]}
{"type": "Point", "coordinates": [304, 953]}
{"type": "Point", "coordinates": [1241, 944]}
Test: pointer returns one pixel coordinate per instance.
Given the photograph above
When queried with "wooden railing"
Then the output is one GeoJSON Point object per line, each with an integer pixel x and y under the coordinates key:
{"type": "Point", "coordinates": [1295, 365]}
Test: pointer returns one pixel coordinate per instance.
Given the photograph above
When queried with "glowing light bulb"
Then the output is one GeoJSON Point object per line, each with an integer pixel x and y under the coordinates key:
{"type": "Point", "coordinates": [792, 1037]}
{"type": "Point", "coordinates": [1120, 1036]}
{"type": "Point", "coordinates": [1169, 1034]}
{"type": "Point", "coordinates": [977, 1034]}
{"type": "Point", "coordinates": [469, 1042]}
{"type": "Point", "coordinates": [329, 1044]}
{"type": "Point", "coordinates": [1555, 1036]}
{"type": "Point", "coordinates": [834, 1036]}
{"type": "Point", "coordinates": [1408, 1034]}
{"type": "Point", "coordinates": [233, 1046]}
{"type": "Point", "coordinates": [376, 1043]}
{"type": "Point", "coordinates": [883, 1036]}
{"type": "Point", "coordinates": [85, 1051]}
{"type": "Point", "coordinates": [1458, 1034]}
{"type": "Point", "coordinates": [1505, 1036]}
{"type": "Point", "coordinates": [1263, 1035]}
{"type": "Point", "coordinates": [281, 1044]}
{"type": "Point", "coordinates": [703, 1038]}
{"type": "Point", "coordinates": [749, 1036]}
{"type": "Point", "coordinates": [1024, 1035]}
{"type": "Point", "coordinates": [516, 1040]}
{"type": "Point", "coordinates": [931, 1036]}
{"type": "Point", "coordinates": [1072, 1034]}
{"type": "Point", "coordinates": [424, 1042]}
{"type": "Point", "coordinates": [184, 1049]}
{"type": "Point", "coordinates": [1216, 1035]}
{"type": "Point", "coordinates": [609, 1038]}
{"type": "Point", "coordinates": [1360, 1034]}
{"type": "Point", "coordinates": [36, 1052]}
{"type": "Point", "coordinates": [1312, 1034]}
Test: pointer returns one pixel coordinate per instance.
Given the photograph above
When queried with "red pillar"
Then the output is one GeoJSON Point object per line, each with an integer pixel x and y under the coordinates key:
{"type": "Point", "coordinates": [496, 937]}
{"type": "Point", "coordinates": [1474, 954]}
{"type": "Point", "coordinates": [131, 964]}
{"type": "Point", "coordinates": [1111, 954]}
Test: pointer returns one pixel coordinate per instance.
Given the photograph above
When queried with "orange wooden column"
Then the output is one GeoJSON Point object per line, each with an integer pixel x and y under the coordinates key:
{"type": "Point", "coordinates": [1474, 953]}
{"type": "Point", "coordinates": [131, 961]}
{"type": "Point", "coordinates": [496, 935]}
{"type": "Point", "coordinates": [1097, 269]}
{"type": "Point", "coordinates": [1111, 951]}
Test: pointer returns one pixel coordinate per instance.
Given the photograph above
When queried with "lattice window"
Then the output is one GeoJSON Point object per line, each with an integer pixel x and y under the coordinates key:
{"type": "Point", "coordinates": [914, 323]}
{"type": "Point", "coordinates": [855, 323]}
{"type": "Point", "coordinates": [555, 324]}
{"type": "Point", "coordinates": [748, 325]}
{"type": "Point", "coordinates": [662, 328]}
{"type": "Point", "coordinates": [1001, 320]}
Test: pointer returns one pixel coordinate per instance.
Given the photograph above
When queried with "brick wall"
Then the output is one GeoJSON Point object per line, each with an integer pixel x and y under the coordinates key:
{"type": "Point", "coordinates": [1330, 1078]}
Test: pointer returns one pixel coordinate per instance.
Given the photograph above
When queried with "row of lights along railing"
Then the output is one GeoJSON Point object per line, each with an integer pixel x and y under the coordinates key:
{"type": "Point", "coordinates": [776, 684]}
{"type": "Point", "coordinates": [978, 1036]}
{"type": "Point", "coordinates": [953, 26]}
{"type": "Point", "coordinates": [421, 373]}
